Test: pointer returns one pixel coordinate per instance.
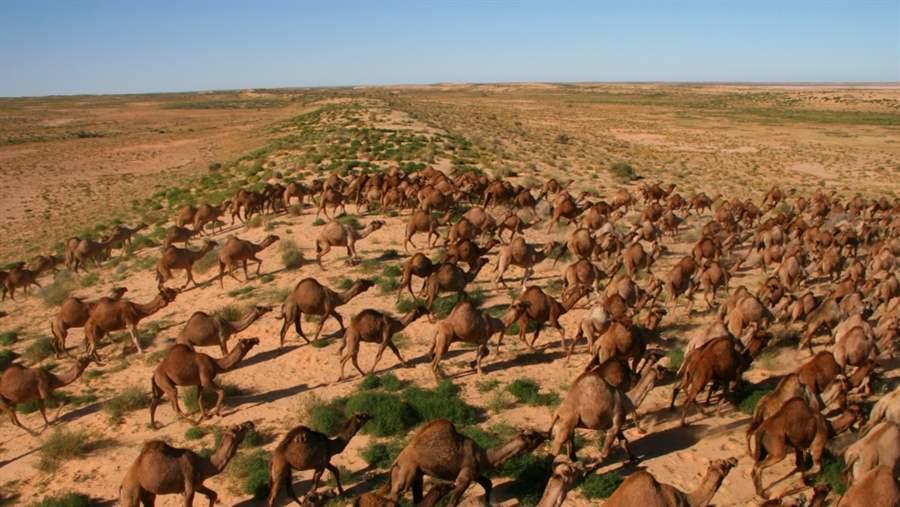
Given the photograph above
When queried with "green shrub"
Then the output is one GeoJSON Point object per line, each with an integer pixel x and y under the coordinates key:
{"type": "Point", "coordinates": [527, 391]}
{"type": "Point", "coordinates": [291, 256]}
{"type": "Point", "coordinates": [39, 349]}
{"type": "Point", "coordinates": [392, 271]}
{"type": "Point", "coordinates": [487, 385]}
{"type": "Point", "coordinates": [484, 439]}
{"type": "Point", "coordinates": [623, 172]}
{"type": "Point", "coordinates": [676, 357]}
{"type": "Point", "coordinates": [190, 397]}
{"type": "Point", "coordinates": [64, 445]}
{"type": "Point", "coordinates": [381, 454]}
{"type": "Point", "coordinates": [391, 415]}
{"type": "Point", "coordinates": [7, 356]}
{"type": "Point", "coordinates": [195, 433]}
{"type": "Point", "coordinates": [229, 312]}
{"type": "Point", "coordinates": [748, 399]}
{"type": "Point", "coordinates": [207, 262]}
{"type": "Point", "coordinates": [252, 472]}
{"type": "Point", "coordinates": [387, 285]}
{"type": "Point", "coordinates": [65, 500]}
{"type": "Point", "coordinates": [327, 417]}
{"type": "Point", "coordinates": [266, 278]}
{"type": "Point", "coordinates": [344, 283]}
{"type": "Point", "coordinates": [89, 279]}
{"type": "Point", "coordinates": [317, 222]}
{"type": "Point", "coordinates": [405, 305]}
{"type": "Point", "coordinates": [529, 474]}
{"type": "Point", "coordinates": [832, 473]}
{"type": "Point", "coordinates": [600, 486]}
{"type": "Point", "coordinates": [128, 400]}
{"type": "Point", "coordinates": [8, 338]}
{"type": "Point", "coordinates": [388, 382]}
{"type": "Point", "coordinates": [55, 293]}
{"type": "Point", "coordinates": [350, 220]}
{"type": "Point", "coordinates": [442, 402]}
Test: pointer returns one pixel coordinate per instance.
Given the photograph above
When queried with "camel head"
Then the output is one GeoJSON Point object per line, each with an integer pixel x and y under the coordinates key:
{"type": "Point", "coordinates": [238, 431]}
{"type": "Point", "coordinates": [376, 224]}
{"type": "Point", "coordinates": [417, 312]}
{"type": "Point", "coordinates": [271, 238]}
{"type": "Point", "coordinates": [211, 244]}
{"type": "Point", "coordinates": [167, 294]}
{"type": "Point", "coordinates": [359, 419]}
{"type": "Point", "coordinates": [118, 292]}
{"type": "Point", "coordinates": [261, 310]}
{"type": "Point", "coordinates": [364, 284]}
{"type": "Point", "coordinates": [723, 466]}
{"type": "Point", "coordinates": [245, 344]}
{"type": "Point", "coordinates": [530, 439]}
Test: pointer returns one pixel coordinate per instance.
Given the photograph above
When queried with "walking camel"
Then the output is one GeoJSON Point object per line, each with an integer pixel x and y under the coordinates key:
{"type": "Point", "coordinates": [311, 297]}
{"type": "Point", "coordinates": [22, 385]}
{"type": "Point", "coordinates": [205, 330]}
{"type": "Point", "coordinates": [110, 315]}
{"type": "Point", "coordinates": [373, 326]}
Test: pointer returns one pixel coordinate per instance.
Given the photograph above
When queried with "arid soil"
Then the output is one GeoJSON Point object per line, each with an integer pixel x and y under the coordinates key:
{"type": "Point", "coordinates": [730, 141]}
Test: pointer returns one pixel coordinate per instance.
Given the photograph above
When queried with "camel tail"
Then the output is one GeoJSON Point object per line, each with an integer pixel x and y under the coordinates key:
{"type": "Point", "coordinates": [155, 391]}
{"type": "Point", "coordinates": [57, 330]}
{"type": "Point", "coordinates": [759, 452]}
{"type": "Point", "coordinates": [552, 424]}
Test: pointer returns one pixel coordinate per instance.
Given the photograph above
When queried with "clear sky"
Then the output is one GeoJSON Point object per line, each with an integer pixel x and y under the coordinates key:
{"type": "Point", "coordinates": [89, 46]}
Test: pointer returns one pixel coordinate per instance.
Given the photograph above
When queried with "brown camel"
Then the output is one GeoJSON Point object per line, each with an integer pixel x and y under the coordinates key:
{"type": "Point", "coordinates": [440, 451]}
{"type": "Point", "coordinates": [520, 253]}
{"type": "Point", "coordinates": [377, 499]}
{"type": "Point", "coordinates": [535, 305]}
{"type": "Point", "coordinates": [423, 221]}
{"type": "Point", "coordinates": [512, 223]}
{"type": "Point", "coordinates": [183, 366]}
{"type": "Point", "coordinates": [641, 489]}
{"type": "Point", "coordinates": [161, 469]}
{"type": "Point", "coordinates": [877, 488]}
{"type": "Point", "coordinates": [468, 251]}
{"type": "Point", "coordinates": [73, 313]}
{"type": "Point", "coordinates": [295, 189]}
{"type": "Point", "coordinates": [178, 234]}
{"type": "Point", "coordinates": [564, 207]}
{"type": "Point", "coordinates": [709, 278]}
{"type": "Point", "coordinates": [338, 234]}
{"type": "Point", "coordinates": [770, 403]}
{"type": "Point", "coordinates": [467, 324]}
{"type": "Point", "coordinates": [110, 315]}
{"type": "Point", "coordinates": [796, 425]}
{"type": "Point", "coordinates": [19, 277]}
{"type": "Point", "coordinates": [22, 385]}
{"type": "Point", "coordinates": [41, 264]}
{"type": "Point", "coordinates": [236, 250]}
{"type": "Point", "coordinates": [185, 215]}
{"type": "Point", "coordinates": [204, 330]}
{"type": "Point", "coordinates": [90, 250]}
{"type": "Point", "coordinates": [181, 258]}
{"type": "Point", "coordinates": [209, 214]}
{"type": "Point", "coordinates": [331, 197]}
{"type": "Point", "coordinates": [418, 265]}
{"type": "Point", "coordinates": [373, 326]}
{"type": "Point", "coordinates": [449, 277]}
{"type": "Point", "coordinates": [121, 236]}
{"type": "Point", "coordinates": [306, 449]}
{"type": "Point", "coordinates": [311, 297]}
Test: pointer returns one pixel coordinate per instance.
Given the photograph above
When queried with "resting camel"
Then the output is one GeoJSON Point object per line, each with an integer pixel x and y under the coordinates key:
{"type": "Point", "coordinates": [205, 330]}
{"type": "Point", "coordinates": [440, 451]}
{"type": "Point", "coordinates": [73, 313]}
{"type": "Point", "coordinates": [338, 234]}
{"type": "Point", "coordinates": [376, 498]}
{"type": "Point", "coordinates": [801, 427]}
{"type": "Point", "coordinates": [449, 277]}
{"type": "Point", "coordinates": [237, 250]}
{"type": "Point", "coordinates": [535, 305]}
{"type": "Point", "coordinates": [181, 258]}
{"type": "Point", "coordinates": [161, 469]}
{"type": "Point", "coordinates": [373, 326]}
{"type": "Point", "coordinates": [467, 324]}
{"type": "Point", "coordinates": [879, 447]}
{"type": "Point", "coordinates": [311, 297]}
{"type": "Point", "coordinates": [183, 366]}
{"type": "Point", "coordinates": [19, 277]}
{"type": "Point", "coordinates": [22, 385]}
{"type": "Point", "coordinates": [306, 449]}
{"type": "Point", "coordinates": [641, 489]}
{"type": "Point", "coordinates": [521, 254]}
{"type": "Point", "coordinates": [419, 265]}
{"type": "Point", "coordinates": [877, 488]}
{"type": "Point", "coordinates": [110, 315]}
{"type": "Point", "coordinates": [591, 403]}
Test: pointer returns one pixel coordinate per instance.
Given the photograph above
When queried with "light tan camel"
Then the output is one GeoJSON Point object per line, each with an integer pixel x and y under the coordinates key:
{"type": "Point", "coordinates": [641, 489]}
{"type": "Point", "coordinates": [183, 366]}
{"type": "Point", "coordinates": [22, 385]}
{"type": "Point", "coordinates": [372, 326]}
{"type": "Point", "coordinates": [440, 451]}
{"type": "Point", "coordinates": [306, 449]}
{"type": "Point", "coordinates": [182, 259]}
{"type": "Point", "coordinates": [877, 488]}
{"type": "Point", "coordinates": [110, 315]}
{"type": "Point", "coordinates": [879, 447]}
{"type": "Point", "coordinates": [74, 313]}
{"type": "Point", "coordinates": [311, 297]}
{"type": "Point", "coordinates": [205, 330]}
{"type": "Point", "coordinates": [161, 469]}
{"type": "Point", "coordinates": [467, 324]}
{"type": "Point", "coordinates": [520, 253]}
{"type": "Point", "coordinates": [338, 234]}
{"type": "Point", "coordinates": [236, 250]}
{"type": "Point", "coordinates": [418, 265]}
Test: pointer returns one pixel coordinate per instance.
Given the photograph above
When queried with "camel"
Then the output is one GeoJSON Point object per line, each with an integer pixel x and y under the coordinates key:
{"type": "Point", "coordinates": [830, 313]}
{"type": "Point", "coordinates": [818, 374]}
{"type": "Point", "coordinates": [591, 403]}
{"type": "Point", "coordinates": [636, 258]}
{"type": "Point", "coordinates": [467, 324]}
{"type": "Point", "coordinates": [89, 250]}
{"type": "Point", "coordinates": [22, 385]}
{"type": "Point", "coordinates": [621, 340]}
{"type": "Point", "coordinates": [422, 221]}
{"type": "Point", "coordinates": [710, 278]}
{"type": "Point", "coordinates": [448, 277]}
{"type": "Point", "coordinates": [209, 214]}
{"type": "Point", "coordinates": [877, 488]}
{"type": "Point", "coordinates": [373, 326]}
{"type": "Point", "coordinates": [581, 244]}
{"type": "Point", "coordinates": [161, 469]}
{"type": "Point", "coordinates": [110, 315]}
{"type": "Point", "coordinates": [205, 330]}
{"type": "Point", "coordinates": [331, 197]}
{"type": "Point", "coordinates": [535, 305]}
{"type": "Point", "coordinates": [19, 277]}
{"type": "Point", "coordinates": [185, 215]}
{"type": "Point", "coordinates": [306, 449]}
{"type": "Point", "coordinates": [801, 427]}
{"type": "Point", "coordinates": [879, 447]}
{"type": "Point", "coordinates": [419, 265]}
{"type": "Point", "coordinates": [466, 250]}
{"type": "Point", "coordinates": [338, 234]}
{"type": "Point", "coordinates": [73, 313]}
{"type": "Point", "coordinates": [582, 272]}
{"type": "Point", "coordinates": [237, 250]}
{"type": "Point", "coordinates": [439, 450]}
{"type": "Point", "coordinates": [512, 223]}
{"type": "Point", "coordinates": [642, 489]}
{"type": "Point", "coordinates": [564, 207]}
{"type": "Point", "coordinates": [178, 234]}
{"type": "Point", "coordinates": [521, 254]}
{"type": "Point", "coordinates": [377, 499]}
{"type": "Point", "coordinates": [885, 409]}
{"type": "Point", "coordinates": [311, 297]}
{"type": "Point", "coordinates": [295, 189]}
{"type": "Point", "coordinates": [562, 479]}
{"type": "Point", "coordinates": [41, 264]}
{"type": "Point", "coordinates": [181, 258]}
{"type": "Point", "coordinates": [770, 403]}
{"type": "Point", "coordinates": [856, 347]}
{"type": "Point", "coordinates": [680, 280]}
{"type": "Point", "coordinates": [182, 366]}
{"type": "Point", "coordinates": [122, 234]}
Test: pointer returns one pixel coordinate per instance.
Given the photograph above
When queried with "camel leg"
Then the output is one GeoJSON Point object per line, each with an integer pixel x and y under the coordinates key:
{"type": "Point", "coordinates": [244, 265]}
{"type": "Point", "coordinates": [43, 408]}
{"type": "Point", "coordinates": [460, 486]}
{"type": "Point", "coordinates": [208, 493]}
{"type": "Point", "coordinates": [258, 265]}
{"type": "Point", "coordinates": [315, 481]}
{"type": "Point", "coordinates": [136, 337]}
{"type": "Point", "coordinates": [537, 333]}
{"type": "Point", "coordinates": [220, 396]}
{"type": "Point", "coordinates": [757, 472]}
{"type": "Point", "coordinates": [485, 483]}
{"type": "Point", "coordinates": [190, 279]}
{"type": "Point", "coordinates": [337, 477]}
{"type": "Point", "coordinates": [11, 412]}
{"type": "Point", "coordinates": [147, 499]}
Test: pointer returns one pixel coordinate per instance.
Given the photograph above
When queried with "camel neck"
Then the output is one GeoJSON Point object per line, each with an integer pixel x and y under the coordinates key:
{"type": "Point", "coordinates": [226, 363]}
{"type": "Point", "coordinates": [842, 423]}
{"type": "Point", "coordinates": [349, 294]}
{"type": "Point", "coordinates": [223, 454]}
{"type": "Point", "coordinates": [496, 456]}
{"type": "Point", "coordinates": [337, 444]}
{"type": "Point", "coordinates": [152, 307]}
{"type": "Point", "coordinates": [701, 496]}
{"type": "Point", "coordinates": [69, 376]}
{"type": "Point", "coordinates": [244, 322]}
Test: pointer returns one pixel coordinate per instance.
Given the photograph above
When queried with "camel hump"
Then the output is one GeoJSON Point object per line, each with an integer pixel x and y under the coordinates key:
{"type": "Point", "coordinates": [158, 446]}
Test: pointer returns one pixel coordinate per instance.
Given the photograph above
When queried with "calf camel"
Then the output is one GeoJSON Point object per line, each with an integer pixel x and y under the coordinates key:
{"type": "Point", "coordinates": [205, 330]}
{"type": "Point", "coordinates": [373, 326]}
{"type": "Point", "coordinates": [22, 385]}
{"type": "Point", "coordinates": [74, 312]}
{"type": "Point", "coordinates": [182, 366]}
{"type": "Point", "coordinates": [181, 258]}
{"type": "Point", "coordinates": [419, 265]}
{"type": "Point", "coordinates": [161, 469]}
{"type": "Point", "coordinates": [311, 297]}
{"type": "Point", "coordinates": [110, 315]}
{"type": "Point", "coordinates": [440, 451]}
{"type": "Point", "coordinates": [535, 305]}
{"type": "Point", "coordinates": [465, 324]}
{"type": "Point", "coordinates": [641, 489]}
{"type": "Point", "coordinates": [306, 449]}
{"type": "Point", "coordinates": [237, 250]}
{"type": "Point", "coordinates": [338, 234]}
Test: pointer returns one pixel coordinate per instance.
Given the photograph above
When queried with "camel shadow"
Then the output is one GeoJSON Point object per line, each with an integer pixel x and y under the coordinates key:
{"type": "Point", "coordinates": [529, 359]}
{"type": "Point", "coordinates": [17, 458]}
{"type": "Point", "coordinates": [264, 356]}
{"type": "Point", "coordinates": [80, 412]}
{"type": "Point", "coordinates": [660, 443]}
{"type": "Point", "coordinates": [257, 399]}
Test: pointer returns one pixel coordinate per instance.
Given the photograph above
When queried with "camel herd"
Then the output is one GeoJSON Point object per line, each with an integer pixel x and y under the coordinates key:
{"type": "Point", "coordinates": [821, 268]}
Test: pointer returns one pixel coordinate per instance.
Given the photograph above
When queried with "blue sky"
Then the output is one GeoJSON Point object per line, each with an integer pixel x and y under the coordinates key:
{"type": "Point", "coordinates": [87, 46]}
